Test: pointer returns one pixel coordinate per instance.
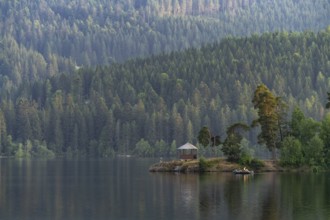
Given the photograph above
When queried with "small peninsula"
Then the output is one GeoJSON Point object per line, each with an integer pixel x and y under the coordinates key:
{"type": "Point", "coordinates": [212, 165]}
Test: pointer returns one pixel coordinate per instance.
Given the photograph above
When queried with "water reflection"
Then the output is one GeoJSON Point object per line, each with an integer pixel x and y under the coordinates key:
{"type": "Point", "coordinates": [262, 196]}
{"type": "Point", "coordinates": [51, 190]}
{"type": "Point", "coordinates": [124, 189]}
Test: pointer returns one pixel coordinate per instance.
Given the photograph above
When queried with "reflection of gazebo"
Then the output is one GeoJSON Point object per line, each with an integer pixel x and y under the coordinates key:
{"type": "Point", "coordinates": [187, 151]}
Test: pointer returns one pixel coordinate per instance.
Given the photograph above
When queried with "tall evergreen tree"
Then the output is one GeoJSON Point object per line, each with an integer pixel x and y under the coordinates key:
{"type": "Point", "coordinates": [24, 129]}
{"type": "Point", "coordinates": [204, 136]}
{"type": "Point", "coordinates": [268, 107]}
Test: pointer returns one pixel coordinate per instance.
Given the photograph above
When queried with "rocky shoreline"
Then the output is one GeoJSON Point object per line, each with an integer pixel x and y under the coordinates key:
{"type": "Point", "coordinates": [213, 165]}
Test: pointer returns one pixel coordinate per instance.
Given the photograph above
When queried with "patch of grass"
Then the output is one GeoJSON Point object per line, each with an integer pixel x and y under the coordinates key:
{"type": "Point", "coordinates": [214, 161]}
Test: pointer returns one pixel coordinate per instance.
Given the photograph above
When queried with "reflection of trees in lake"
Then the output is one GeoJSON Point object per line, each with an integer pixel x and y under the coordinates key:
{"type": "Point", "coordinates": [233, 196]}
{"type": "Point", "coordinates": [237, 197]}
{"type": "Point", "coordinates": [120, 190]}
{"type": "Point", "coordinates": [270, 196]}
{"type": "Point", "coordinates": [176, 194]}
{"type": "Point", "coordinates": [210, 195]}
{"type": "Point", "coordinates": [270, 199]}
{"type": "Point", "coordinates": [223, 195]}
{"type": "Point", "coordinates": [188, 191]}
{"type": "Point", "coordinates": [307, 194]}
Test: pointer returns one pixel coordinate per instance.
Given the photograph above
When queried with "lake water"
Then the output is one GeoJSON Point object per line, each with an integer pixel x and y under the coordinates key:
{"type": "Point", "coordinates": [124, 189]}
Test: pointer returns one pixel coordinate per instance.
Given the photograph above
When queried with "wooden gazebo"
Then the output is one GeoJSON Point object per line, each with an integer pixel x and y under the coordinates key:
{"type": "Point", "coordinates": [187, 151]}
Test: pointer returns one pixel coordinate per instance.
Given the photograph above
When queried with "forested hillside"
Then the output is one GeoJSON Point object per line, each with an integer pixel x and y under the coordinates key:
{"type": "Point", "coordinates": [148, 105]}
{"type": "Point", "coordinates": [44, 37]}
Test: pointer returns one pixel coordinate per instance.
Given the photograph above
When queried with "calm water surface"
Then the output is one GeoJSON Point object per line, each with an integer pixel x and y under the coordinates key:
{"type": "Point", "coordinates": [124, 189]}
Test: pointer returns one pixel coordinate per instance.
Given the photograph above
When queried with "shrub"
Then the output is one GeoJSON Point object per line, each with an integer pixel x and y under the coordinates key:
{"type": "Point", "coordinates": [245, 158]}
{"type": "Point", "coordinates": [256, 164]}
{"type": "Point", "coordinates": [203, 164]}
{"type": "Point", "coordinates": [313, 152]}
{"type": "Point", "coordinates": [291, 152]}
{"type": "Point", "coordinates": [41, 151]}
{"type": "Point", "coordinates": [252, 163]}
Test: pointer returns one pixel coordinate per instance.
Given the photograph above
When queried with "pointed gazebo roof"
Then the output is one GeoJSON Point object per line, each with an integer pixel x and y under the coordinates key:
{"type": "Point", "coordinates": [187, 146]}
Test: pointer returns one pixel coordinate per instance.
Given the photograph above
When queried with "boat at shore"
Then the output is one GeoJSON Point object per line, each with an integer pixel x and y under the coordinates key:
{"type": "Point", "coordinates": [243, 171]}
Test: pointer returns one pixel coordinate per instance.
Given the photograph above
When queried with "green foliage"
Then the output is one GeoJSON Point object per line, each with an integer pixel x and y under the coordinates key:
{"type": "Point", "coordinates": [308, 142]}
{"type": "Point", "coordinates": [204, 136]}
{"type": "Point", "coordinates": [252, 163]}
{"type": "Point", "coordinates": [101, 111]}
{"type": "Point", "coordinates": [41, 151]}
{"type": "Point", "coordinates": [10, 146]}
{"type": "Point", "coordinates": [173, 149]}
{"type": "Point", "coordinates": [20, 152]}
{"type": "Point", "coordinates": [303, 128]}
{"type": "Point", "coordinates": [296, 120]}
{"type": "Point", "coordinates": [256, 164]}
{"type": "Point", "coordinates": [245, 158]}
{"type": "Point", "coordinates": [291, 152]}
{"type": "Point", "coordinates": [35, 150]}
{"type": "Point", "coordinates": [98, 32]}
{"type": "Point", "coordinates": [232, 147]}
{"type": "Point", "coordinates": [313, 152]}
{"type": "Point", "coordinates": [3, 134]}
{"type": "Point", "coordinates": [328, 102]}
{"type": "Point", "coordinates": [325, 136]}
{"type": "Point", "coordinates": [143, 149]}
{"type": "Point", "coordinates": [161, 148]}
{"type": "Point", "coordinates": [203, 164]}
{"type": "Point", "coordinates": [270, 118]}
{"type": "Point", "coordinates": [307, 130]}
{"type": "Point", "coordinates": [215, 141]}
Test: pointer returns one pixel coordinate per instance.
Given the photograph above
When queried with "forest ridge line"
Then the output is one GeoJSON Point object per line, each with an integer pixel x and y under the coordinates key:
{"type": "Point", "coordinates": [162, 101]}
{"type": "Point", "coordinates": [46, 37]}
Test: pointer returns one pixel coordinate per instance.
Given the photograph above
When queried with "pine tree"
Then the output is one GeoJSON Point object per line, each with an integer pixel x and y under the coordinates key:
{"type": "Point", "coordinates": [269, 116]}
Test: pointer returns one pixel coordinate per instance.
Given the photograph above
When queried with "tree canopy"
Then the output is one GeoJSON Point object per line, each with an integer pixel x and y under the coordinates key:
{"type": "Point", "coordinates": [268, 118]}
{"type": "Point", "coordinates": [167, 98]}
{"type": "Point", "coordinates": [48, 37]}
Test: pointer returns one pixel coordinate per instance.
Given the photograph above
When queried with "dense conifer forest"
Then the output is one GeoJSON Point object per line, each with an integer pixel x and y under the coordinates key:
{"type": "Point", "coordinates": [96, 78]}
{"type": "Point", "coordinates": [43, 37]}
{"type": "Point", "coordinates": [150, 106]}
